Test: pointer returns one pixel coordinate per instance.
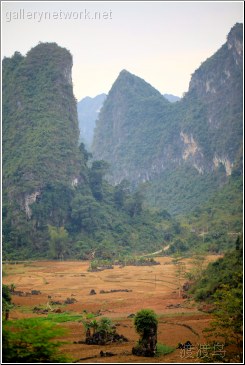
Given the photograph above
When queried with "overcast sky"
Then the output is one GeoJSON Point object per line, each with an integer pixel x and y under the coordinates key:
{"type": "Point", "coordinates": [161, 42]}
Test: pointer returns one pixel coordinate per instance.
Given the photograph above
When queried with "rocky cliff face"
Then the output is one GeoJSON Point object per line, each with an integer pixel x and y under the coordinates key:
{"type": "Point", "coordinates": [217, 85]}
{"type": "Point", "coordinates": [40, 128]}
{"type": "Point", "coordinates": [142, 135]}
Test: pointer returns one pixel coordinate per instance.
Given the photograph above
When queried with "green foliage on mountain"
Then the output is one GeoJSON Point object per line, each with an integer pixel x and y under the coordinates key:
{"type": "Point", "coordinates": [224, 271]}
{"type": "Point", "coordinates": [219, 220]}
{"type": "Point", "coordinates": [89, 218]}
{"type": "Point", "coordinates": [40, 129]}
{"type": "Point", "coordinates": [110, 227]}
{"type": "Point", "coordinates": [182, 189]}
{"type": "Point", "coordinates": [40, 135]}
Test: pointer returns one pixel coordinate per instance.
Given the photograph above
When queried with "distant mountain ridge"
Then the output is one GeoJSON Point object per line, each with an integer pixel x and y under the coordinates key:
{"type": "Point", "coordinates": [88, 110]}
{"type": "Point", "coordinates": [145, 138]}
{"type": "Point", "coordinates": [171, 98]}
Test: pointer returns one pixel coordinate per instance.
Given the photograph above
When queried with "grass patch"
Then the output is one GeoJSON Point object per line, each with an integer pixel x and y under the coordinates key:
{"type": "Point", "coordinates": [164, 349]}
{"type": "Point", "coordinates": [63, 317]}
{"type": "Point", "coordinates": [24, 308]}
{"type": "Point", "coordinates": [52, 317]}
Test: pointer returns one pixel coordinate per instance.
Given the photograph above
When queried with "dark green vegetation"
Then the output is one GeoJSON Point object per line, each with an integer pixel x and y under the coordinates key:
{"type": "Point", "coordinates": [56, 202]}
{"type": "Point", "coordinates": [6, 301]}
{"type": "Point", "coordinates": [221, 285]}
{"type": "Point", "coordinates": [144, 321]}
{"type": "Point", "coordinates": [183, 189]}
{"type": "Point", "coordinates": [219, 220]}
{"type": "Point", "coordinates": [99, 265]}
{"type": "Point", "coordinates": [225, 271]}
{"type": "Point", "coordinates": [29, 341]}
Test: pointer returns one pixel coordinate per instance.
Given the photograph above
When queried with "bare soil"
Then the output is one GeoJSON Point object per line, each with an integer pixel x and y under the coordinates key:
{"type": "Point", "coordinates": [155, 287]}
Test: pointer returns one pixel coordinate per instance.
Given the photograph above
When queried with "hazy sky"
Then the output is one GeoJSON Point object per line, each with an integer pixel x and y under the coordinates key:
{"type": "Point", "coordinates": [162, 42]}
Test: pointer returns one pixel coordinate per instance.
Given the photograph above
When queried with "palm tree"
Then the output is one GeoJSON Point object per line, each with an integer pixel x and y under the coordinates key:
{"type": "Point", "coordinates": [94, 325]}
{"type": "Point", "coordinates": [105, 327]}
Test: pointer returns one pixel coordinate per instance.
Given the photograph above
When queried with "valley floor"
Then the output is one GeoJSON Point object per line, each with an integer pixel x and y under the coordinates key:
{"type": "Point", "coordinates": [136, 287]}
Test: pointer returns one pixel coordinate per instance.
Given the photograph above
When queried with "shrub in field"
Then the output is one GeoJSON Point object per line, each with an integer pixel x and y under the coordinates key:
{"type": "Point", "coordinates": [6, 300]}
{"type": "Point", "coordinates": [146, 323]}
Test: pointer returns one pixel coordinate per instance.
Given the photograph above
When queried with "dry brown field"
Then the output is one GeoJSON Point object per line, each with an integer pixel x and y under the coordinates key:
{"type": "Point", "coordinates": [154, 287]}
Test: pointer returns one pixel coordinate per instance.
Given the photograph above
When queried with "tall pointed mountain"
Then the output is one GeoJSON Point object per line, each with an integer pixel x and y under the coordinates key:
{"type": "Point", "coordinates": [41, 158]}
{"type": "Point", "coordinates": [128, 123]}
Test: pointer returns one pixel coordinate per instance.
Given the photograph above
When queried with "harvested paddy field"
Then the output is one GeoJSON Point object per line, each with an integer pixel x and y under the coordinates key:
{"type": "Point", "coordinates": [118, 293]}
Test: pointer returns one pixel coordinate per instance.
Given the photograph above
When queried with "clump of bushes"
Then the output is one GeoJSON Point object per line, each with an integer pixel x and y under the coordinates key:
{"type": "Point", "coordinates": [101, 332]}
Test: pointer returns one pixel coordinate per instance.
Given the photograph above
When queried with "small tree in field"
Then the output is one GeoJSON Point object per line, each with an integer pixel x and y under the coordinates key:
{"type": "Point", "coordinates": [146, 323]}
{"type": "Point", "coordinates": [58, 240]}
